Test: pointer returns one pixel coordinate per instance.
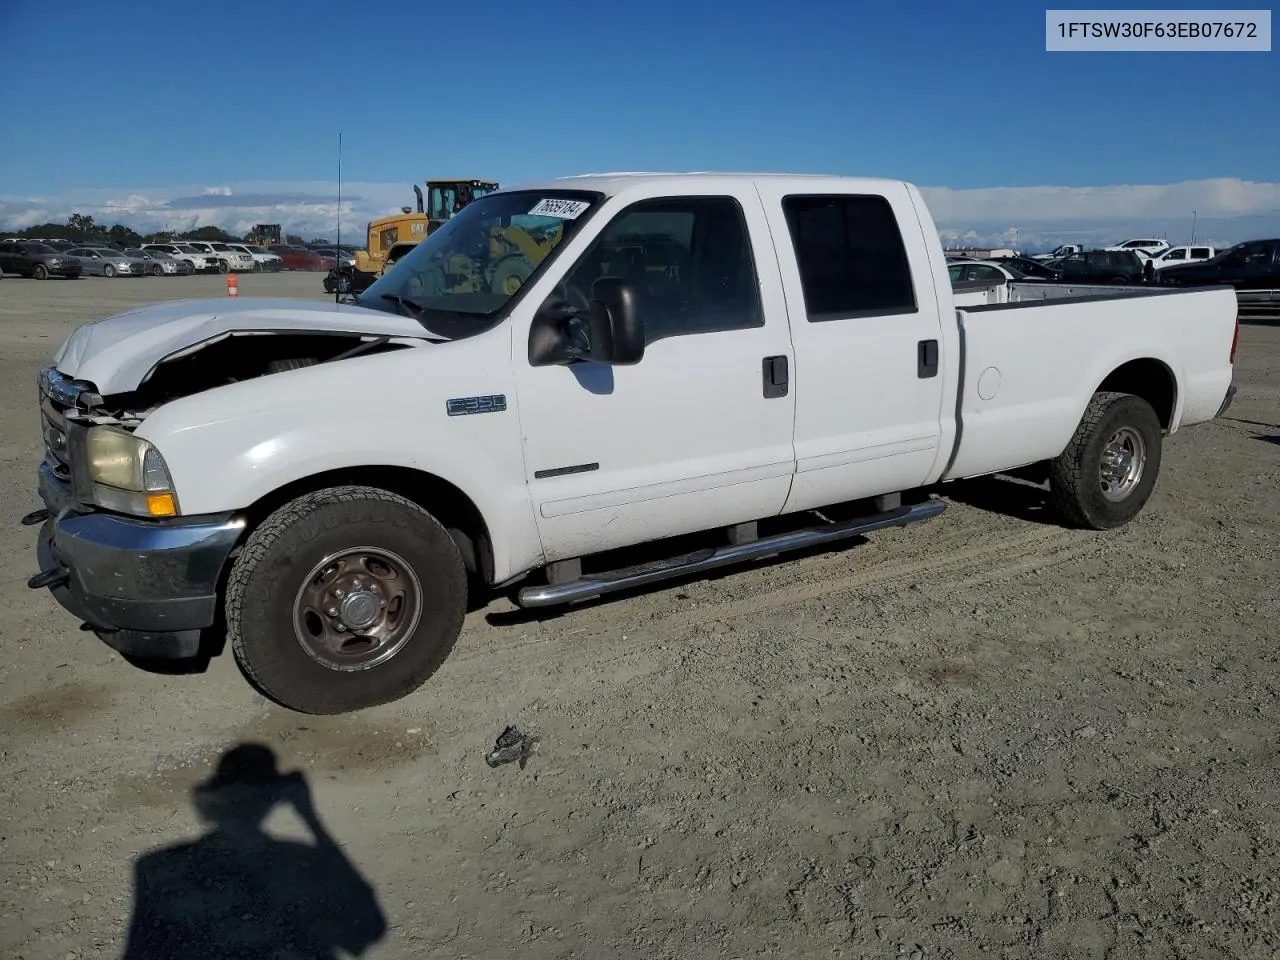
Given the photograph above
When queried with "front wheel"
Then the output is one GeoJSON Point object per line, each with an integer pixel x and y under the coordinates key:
{"type": "Point", "coordinates": [224, 267]}
{"type": "Point", "coordinates": [108, 271]}
{"type": "Point", "coordinates": [1108, 471]}
{"type": "Point", "coordinates": [345, 598]}
{"type": "Point", "coordinates": [40, 272]}
{"type": "Point", "coordinates": [157, 270]}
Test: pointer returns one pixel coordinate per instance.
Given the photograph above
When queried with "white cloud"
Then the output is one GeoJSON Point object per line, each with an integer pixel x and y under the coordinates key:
{"type": "Point", "coordinates": [309, 208]}
{"type": "Point", "coordinates": [1222, 211]}
{"type": "Point", "coordinates": [1227, 210]}
{"type": "Point", "coordinates": [1221, 198]}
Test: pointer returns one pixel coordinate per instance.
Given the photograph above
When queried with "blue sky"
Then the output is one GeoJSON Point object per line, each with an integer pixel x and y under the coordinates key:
{"type": "Point", "coordinates": [141, 111]}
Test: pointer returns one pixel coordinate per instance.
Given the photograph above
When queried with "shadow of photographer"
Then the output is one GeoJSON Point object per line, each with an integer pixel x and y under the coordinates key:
{"type": "Point", "coordinates": [239, 892]}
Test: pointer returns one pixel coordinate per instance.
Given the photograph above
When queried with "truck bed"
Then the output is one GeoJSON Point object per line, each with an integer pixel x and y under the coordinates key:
{"type": "Point", "coordinates": [1023, 385]}
{"type": "Point", "coordinates": [978, 293]}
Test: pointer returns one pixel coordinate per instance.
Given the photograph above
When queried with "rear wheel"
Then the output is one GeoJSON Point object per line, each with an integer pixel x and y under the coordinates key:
{"type": "Point", "coordinates": [1108, 471]}
{"type": "Point", "coordinates": [345, 598]}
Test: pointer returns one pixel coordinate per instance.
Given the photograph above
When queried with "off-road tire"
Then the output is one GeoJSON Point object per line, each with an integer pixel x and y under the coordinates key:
{"type": "Point", "coordinates": [267, 574]}
{"type": "Point", "coordinates": [1074, 487]}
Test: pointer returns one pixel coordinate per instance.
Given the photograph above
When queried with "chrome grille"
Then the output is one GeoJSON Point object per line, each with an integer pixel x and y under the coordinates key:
{"type": "Point", "coordinates": [57, 394]}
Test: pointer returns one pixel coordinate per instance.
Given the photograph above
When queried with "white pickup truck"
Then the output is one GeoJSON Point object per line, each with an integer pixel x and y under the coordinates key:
{"type": "Point", "coordinates": [721, 368]}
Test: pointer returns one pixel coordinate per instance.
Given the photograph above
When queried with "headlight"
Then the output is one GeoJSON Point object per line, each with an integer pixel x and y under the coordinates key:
{"type": "Point", "coordinates": [129, 474]}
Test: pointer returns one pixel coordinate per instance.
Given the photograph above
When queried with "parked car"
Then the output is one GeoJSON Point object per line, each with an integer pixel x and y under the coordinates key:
{"type": "Point", "coordinates": [1028, 268]}
{"type": "Point", "coordinates": [980, 271]}
{"type": "Point", "coordinates": [1176, 255]}
{"type": "Point", "coordinates": [1058, 252]}
{"type": "Point", "coordinates": [264, 261]}
{"type": "Point", "coordinates": [161, 264]}
{"type": "Point", "coordinates": [1102, 266]}
{"type": "Point", "coordinates": [300, 258]}
{"type": "Point", "coordinates": [102, 262]}
{"type": "Point", "coordinates": [635, 388]}
{"type": "Point", "coordinates": [1254, 265]}
{"type": "Point", "coordinates": [1142, 247]}
{"type": "Point", "coordinates": [229, 260]}
{"type": "Point", "coordinates": [348, 279]}
{"type": "Point", "coordinates": [38, 260]}
{"type": "Point", "coordinates": [341, 258]}
{"type": "Point", "coordinates": [200, 262]}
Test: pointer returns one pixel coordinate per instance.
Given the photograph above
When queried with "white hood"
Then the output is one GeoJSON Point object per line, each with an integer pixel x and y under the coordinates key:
{"type": "Point", "coordinates": [117, 354]}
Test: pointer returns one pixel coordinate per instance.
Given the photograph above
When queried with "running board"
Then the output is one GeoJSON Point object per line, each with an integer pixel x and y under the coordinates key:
{"type": "Point", "coordinates": [611, 581]}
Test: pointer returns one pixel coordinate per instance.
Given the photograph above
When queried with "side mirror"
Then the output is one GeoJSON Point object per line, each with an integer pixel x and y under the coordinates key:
{"type": "Point", "coordinates": [609, 330]}
{"type": "Point", "coordinates": [615, 331]}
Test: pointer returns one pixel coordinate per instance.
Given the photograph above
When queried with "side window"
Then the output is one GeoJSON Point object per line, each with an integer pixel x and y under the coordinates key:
{"type": "Point", "coordinates": [688, 260]}
{"type": "Point", "coordinates": [1178, 254]}
{"type": "Point", "coordinates": [852, 260]}
{"type": "Point", "coordinates": [953, 272]}
{"type": "Point", "coordinates": [1200, 253]}
{"type": "Point", "coordinates": [1255, 253]}
{"type": "Point", "coordinates": [986, 273]}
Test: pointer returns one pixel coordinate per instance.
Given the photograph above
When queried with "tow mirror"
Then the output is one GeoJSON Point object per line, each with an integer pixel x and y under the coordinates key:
{"type": "Point", "coordinates": [609, 330]}
{"type": "Point", "coordinates": [614, 327]}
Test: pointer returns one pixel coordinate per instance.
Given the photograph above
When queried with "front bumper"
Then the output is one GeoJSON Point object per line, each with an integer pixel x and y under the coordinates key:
{"type": "Point", "coordinates": [64, 269]}
{"type": "Point", "coordinates": [147, 587]}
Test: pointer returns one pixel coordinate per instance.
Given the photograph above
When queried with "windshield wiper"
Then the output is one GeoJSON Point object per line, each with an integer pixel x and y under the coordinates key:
{"type": "Point", "coordinates": [405, 303]}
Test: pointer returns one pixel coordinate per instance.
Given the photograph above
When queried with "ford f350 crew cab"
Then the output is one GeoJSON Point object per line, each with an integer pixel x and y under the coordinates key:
{"type": "Point", "coordinates": [717, 367]}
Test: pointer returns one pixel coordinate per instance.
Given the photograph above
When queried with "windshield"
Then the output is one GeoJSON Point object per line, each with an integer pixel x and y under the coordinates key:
{"type": "Point", "coordinates": [253, 249]}
{"type": "Point", "coordinates": [221, 248]}
{"type": "Point", "coordinates": [458, 280]}
{"type": "Point", "coordinates": [188, 248]}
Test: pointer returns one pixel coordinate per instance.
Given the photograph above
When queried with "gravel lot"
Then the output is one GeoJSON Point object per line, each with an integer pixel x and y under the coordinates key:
{"type": "Point", "coordinates": [983, 736]}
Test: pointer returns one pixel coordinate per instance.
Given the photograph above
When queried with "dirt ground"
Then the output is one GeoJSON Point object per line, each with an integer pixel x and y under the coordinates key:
{"type": "Point", "coordinates": [986, 736]}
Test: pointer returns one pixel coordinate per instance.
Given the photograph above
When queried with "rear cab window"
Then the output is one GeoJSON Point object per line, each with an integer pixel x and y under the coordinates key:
{"type": "Point", "coordinates": [851, 256]}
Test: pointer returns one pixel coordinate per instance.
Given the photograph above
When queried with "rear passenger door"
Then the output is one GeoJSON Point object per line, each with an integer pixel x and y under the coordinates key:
{"type": "Point", "coordinates": [865, 324]}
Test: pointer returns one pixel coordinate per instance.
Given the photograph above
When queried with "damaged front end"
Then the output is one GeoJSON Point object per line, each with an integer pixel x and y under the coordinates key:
{"type": "Point", "coordinates": [114, 547]}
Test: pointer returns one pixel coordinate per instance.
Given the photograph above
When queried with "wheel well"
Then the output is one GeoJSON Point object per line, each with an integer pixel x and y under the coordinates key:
{"type": "Point", "coordinates": [1149, 379]}
{"type": "Point", "coordinates": [447, 503]}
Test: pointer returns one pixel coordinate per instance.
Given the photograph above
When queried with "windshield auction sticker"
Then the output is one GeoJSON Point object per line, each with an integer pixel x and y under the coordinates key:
{"type": "Point", "coordinates": [564, 209]}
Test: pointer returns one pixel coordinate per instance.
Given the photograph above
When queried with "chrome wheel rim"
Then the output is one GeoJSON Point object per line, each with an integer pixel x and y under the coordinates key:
{"type": "Point", "coordinates": [1123, 460]}
{"type": "Point", "coordinates": [357, 608]}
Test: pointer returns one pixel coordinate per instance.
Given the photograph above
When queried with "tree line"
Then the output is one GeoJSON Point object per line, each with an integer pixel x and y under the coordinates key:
{"type": "Point", "coordinates": [81, 228]}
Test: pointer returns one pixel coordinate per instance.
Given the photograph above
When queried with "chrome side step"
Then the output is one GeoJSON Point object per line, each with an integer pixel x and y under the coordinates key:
{"type": "Point", "coordinates": [611, 581]}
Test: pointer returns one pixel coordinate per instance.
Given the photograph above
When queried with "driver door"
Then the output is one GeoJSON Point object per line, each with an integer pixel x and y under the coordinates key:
{"type": "Point", "coordinates": [696, 435]}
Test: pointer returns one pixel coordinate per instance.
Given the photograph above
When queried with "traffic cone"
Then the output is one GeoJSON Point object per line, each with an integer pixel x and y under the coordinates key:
{"type": "Point", "coordinates": [232, 289]}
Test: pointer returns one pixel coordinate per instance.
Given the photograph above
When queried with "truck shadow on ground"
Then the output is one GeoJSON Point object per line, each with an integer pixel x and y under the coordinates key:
{"type": "Point", "coordinates": [1007, 496]}
{"type": "Point", "coordinates": [239, 892]}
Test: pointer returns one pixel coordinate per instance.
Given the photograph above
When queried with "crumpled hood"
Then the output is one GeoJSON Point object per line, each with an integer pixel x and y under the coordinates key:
{"type": "Point", "coordinates": [117, 353]}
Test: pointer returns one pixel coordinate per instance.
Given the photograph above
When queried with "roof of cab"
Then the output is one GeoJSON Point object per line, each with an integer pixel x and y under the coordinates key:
{"type": "Point", "coordinates": [614, 183]}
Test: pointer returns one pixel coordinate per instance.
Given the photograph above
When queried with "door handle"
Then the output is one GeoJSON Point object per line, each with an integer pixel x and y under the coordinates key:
{"type": "Point", "coordinates": [776, 380]}
{"type": "Point", "coordinates": [927, 359]}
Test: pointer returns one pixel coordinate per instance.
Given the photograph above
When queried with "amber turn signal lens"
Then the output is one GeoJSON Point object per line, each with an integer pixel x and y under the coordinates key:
{"type": "Point", "coordinates": [161, 505]}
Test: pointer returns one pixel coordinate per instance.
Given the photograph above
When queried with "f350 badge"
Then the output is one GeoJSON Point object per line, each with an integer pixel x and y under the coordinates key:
{"type": "Point", "coordinates": [461, 406]}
